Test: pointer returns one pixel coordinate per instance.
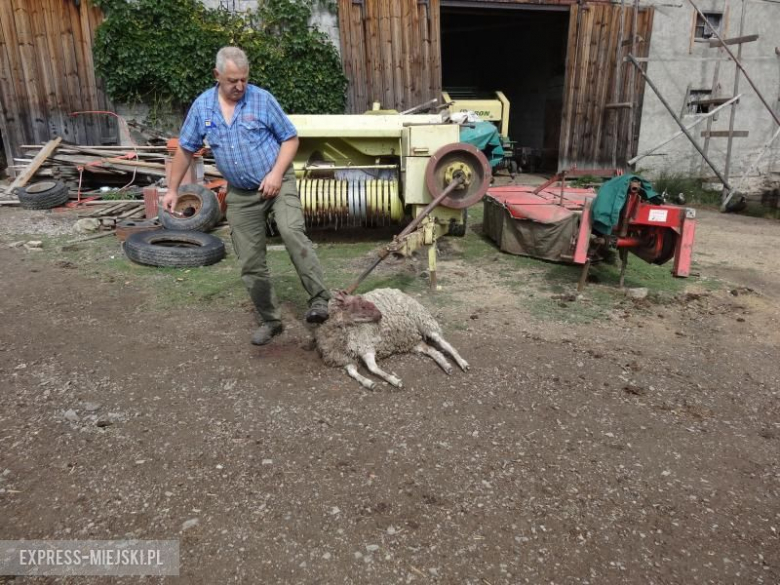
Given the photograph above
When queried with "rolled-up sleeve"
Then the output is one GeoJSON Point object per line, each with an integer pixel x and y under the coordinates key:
{"type": "Point", "coordinates": [191, 135]}
{"type": "Point", "coordinates": [278, 122]}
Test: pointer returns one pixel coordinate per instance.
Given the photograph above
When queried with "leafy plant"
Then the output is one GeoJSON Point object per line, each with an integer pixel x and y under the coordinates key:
{"type": "Point", "coordinates": [690, 187]}
{"type": "Point", "coordinates": [156, 51]}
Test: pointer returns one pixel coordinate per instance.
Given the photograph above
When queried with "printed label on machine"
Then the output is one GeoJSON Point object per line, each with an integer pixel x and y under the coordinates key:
{"type": "Point", "coordinates": [658, 215]}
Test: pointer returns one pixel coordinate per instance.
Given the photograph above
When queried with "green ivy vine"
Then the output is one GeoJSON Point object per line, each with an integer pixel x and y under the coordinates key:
{"type": "Point", "coordinates": [163, 50]}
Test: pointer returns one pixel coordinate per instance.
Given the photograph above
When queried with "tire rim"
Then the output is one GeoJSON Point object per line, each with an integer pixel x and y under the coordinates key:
{"type": "Point", "coordinates": [189, 204]}
{"type": "Point", "coordinates": [40, 187]}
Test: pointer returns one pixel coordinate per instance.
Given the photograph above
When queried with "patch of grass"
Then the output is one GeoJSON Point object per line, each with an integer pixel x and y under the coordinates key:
{"type": "Point", "coordinates": [690, 187]}
{"type": "Point", "coordinates": [587, 181]}
{"type": "Point", "coordinates": [220, 285]}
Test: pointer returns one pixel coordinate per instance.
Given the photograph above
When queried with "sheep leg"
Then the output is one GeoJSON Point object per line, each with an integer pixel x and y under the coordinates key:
{"type": "Point", "coordinates": [442, 343]}
{"type": "Point", "coordinates": [353, 373]}
{"type": "Point", "coordinates": [370, 360]}
{"type": "Point", "coordinates": [425, 349]}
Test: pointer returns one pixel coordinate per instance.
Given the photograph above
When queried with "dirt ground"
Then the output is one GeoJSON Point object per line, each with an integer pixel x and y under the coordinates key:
{"type": "Point", "coordinates": [641, 447]}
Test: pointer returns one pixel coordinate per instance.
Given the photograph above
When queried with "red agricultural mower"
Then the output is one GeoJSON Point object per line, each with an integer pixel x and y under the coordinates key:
{"type": "Point", "coordinates": [555, 223]}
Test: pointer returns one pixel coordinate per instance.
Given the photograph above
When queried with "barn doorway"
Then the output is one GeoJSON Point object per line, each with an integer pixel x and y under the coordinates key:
{"type": "Point", "coordinates": [519, 49]}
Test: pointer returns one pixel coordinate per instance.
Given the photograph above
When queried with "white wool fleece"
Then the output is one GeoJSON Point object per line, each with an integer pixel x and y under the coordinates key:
{"type": "Point", "coordinates": [405, 323]}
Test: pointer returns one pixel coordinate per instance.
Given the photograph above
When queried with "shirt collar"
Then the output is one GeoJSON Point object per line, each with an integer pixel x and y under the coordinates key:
{"type": "Point", "coordinates": [215, 102]}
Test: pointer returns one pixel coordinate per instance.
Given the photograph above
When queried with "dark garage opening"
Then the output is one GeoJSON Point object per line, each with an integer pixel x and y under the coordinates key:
{"type": "Point", "coordinates": [520, 51]}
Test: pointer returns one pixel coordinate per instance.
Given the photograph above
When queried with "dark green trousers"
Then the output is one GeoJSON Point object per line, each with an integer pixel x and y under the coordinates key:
{"type": "Point", "coordinates": [247, 213]}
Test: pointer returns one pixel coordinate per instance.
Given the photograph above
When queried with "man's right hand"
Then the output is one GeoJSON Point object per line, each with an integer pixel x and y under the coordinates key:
{"type": "Point", "coordinates": [170, 199]}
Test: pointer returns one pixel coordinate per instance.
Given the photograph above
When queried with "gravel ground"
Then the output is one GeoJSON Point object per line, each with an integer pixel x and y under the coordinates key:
{"type": "Point", "coordinates": [642, 448]}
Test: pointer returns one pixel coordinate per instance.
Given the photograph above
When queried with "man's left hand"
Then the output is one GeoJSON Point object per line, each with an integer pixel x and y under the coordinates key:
{"type": "Point", "coordinates": [271, 185]}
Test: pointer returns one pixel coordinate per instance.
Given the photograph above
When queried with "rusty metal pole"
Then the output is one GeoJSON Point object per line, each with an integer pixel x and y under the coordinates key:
{"type": "Point", "coordinates": [384, 253]}
{"type": "Point", "coordinates": [679, 122]}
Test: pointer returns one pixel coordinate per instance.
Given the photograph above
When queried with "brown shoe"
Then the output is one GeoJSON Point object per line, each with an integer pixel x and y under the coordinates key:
{"type": "Point", "coordinates": [267, 332]}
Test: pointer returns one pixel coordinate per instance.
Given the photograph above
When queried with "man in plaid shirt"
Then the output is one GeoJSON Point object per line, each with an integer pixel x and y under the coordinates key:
{"type": "Point", "coordinates": [254, 143]}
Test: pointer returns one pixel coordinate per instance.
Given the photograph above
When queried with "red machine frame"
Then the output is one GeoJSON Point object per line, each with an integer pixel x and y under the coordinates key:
{"type": "Point", "coordinates": [655, 233]}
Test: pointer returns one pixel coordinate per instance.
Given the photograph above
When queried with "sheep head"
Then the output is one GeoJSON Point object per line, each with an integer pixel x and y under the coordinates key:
{"type": "Point", "coordinates": [350, 309]}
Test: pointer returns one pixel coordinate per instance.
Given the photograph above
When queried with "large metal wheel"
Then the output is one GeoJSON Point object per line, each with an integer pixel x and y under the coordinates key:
{"type": "Point", "coordinates": [458, 160]}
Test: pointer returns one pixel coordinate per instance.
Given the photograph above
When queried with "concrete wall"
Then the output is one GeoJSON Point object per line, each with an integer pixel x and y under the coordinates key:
{"type": "Point", "coordinates": [675, 63]}
{"type": "Point", "coordinates": [322, 19]}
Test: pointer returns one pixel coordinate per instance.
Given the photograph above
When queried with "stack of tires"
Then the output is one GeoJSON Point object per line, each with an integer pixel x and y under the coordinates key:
{"type": "Point", "coordinates": [183, 243]}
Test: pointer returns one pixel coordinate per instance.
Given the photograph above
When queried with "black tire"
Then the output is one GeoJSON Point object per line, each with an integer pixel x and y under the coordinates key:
{"type": "Point", "coordinates": [459, 229]}
{"type": "Point", "coordinates": [43, 195]}
{"type": "Point", "coordinates": [174, 249]}
{"type": "Point", "coordinates": [199, 203]}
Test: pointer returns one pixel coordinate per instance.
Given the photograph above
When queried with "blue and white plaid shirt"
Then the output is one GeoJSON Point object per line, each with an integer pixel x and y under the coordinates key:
{"type": "Point", "coordinates": [246, 149]}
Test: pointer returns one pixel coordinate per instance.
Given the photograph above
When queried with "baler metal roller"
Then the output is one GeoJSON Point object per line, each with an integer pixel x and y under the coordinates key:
{"type": "Point", "coordinates": [353, 202]}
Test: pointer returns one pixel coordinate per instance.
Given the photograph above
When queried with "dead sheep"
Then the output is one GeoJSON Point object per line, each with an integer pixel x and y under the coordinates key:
{"type": "Point", "coordinates": [376, 325]}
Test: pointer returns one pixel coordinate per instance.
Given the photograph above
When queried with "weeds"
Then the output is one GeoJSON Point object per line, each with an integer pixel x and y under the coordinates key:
{"type": "Point", "coordinates": [690, 187]}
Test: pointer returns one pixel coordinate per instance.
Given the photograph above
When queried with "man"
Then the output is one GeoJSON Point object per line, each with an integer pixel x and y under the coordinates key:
{"type": "Point", "coordinates": [254, 143]}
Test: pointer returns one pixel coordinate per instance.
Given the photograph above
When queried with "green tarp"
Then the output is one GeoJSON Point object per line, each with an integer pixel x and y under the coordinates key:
{"type": "Point", "coordinates": [611, 198]}
{"type": "Point", "coordinates": [485, 137]}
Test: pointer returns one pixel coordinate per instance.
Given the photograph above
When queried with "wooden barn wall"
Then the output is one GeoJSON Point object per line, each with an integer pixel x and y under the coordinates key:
{"type": "Point", "coordinates": [391, 52]}
{"type": "Point", "coordinates": [47, 72]}
{"type": "Point", "coordinates": [587, 133]}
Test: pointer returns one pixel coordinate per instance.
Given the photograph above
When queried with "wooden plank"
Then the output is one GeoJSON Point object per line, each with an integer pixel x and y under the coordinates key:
{"type": "Point", "coordinates": [644, 31]}
{"type": "Point", "coordinates": [53, 117]}
{"type": "Point", "coordinates": [434, 13]}
{"type": "Point", "coordinates": [397, 51]}
{"type": "Point", "coordinates": [88, 123]}
{"type": "Point", "coordinates": [725, 133]}
{"type": "Point", "coordinates": [415, 52]}
{"type": "Point", "coordinates": [373, 54]}
{"type": "Point", "coordinates": [735, 41]}
{"type": "Point", "coordinates": [716, 101]}
{"type": "Point", "coordinates": [423, 20]}
{"type": "Point", "coordinates": [52, 23]}
{"type": "Point", "coordinates": [347, 57]}
{"type": "Point", "coordinates": [361, 57]}
{"type": "Point", "coordinates": [405, 54]}
{"type": "Point", "coordinates": [619, 105]}
{"type": "Point", "coordinates": [12, 90]}
{"type": "Point", "coordinates": [8, 145]}
{"type": "Point", "coordinates": [37, 115]}
{"type": "Point", "coordinates": [602, 83]}
{"type": "Point", "coordinates": [28, 173]}
{"type": "Point", "coordinates": [72, 96]}
{"type": "Point", "coordinates": [108, 124]}
{"type": "Point", "coordinates": [564, 141]}
{"type": "Point", "coordinates": [386, 47]}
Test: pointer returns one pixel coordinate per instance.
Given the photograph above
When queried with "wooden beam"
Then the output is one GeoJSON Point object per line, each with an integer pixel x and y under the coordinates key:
{"type": "Point", "coordinates": [725, 133]}
{"type": "Point", "coordinates": [714, 43]}
{"type": "Point", "coordinates": [712, 101]}
{"type": "Point", "coordinates": [28, 173]}
{"type": "Point", "coordinates": [620, 105]}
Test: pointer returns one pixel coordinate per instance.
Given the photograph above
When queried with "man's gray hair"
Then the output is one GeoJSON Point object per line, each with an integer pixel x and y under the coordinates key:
{"type": "Point", "coordinates": [234, 54]}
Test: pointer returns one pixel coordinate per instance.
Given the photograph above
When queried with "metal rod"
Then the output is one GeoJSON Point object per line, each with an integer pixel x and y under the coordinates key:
{"type": "Point", "coordinates": [733, 112]}
{"type": "Point", "coordinates": [677, 119]}
{"type": "Point", "coordinates": [738, 64]}
{"type": "Point", "coordinates": [347, 167]}
{"type": "Point", "coordinates": [385, 252]}
{"type": "Point", "coordinates": [417, 108]}
{"type": "Point", "coordinates": [703, 117]}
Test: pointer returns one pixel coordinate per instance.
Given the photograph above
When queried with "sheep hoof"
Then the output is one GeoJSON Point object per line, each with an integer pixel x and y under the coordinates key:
{"type": "Point", "coordinates": [465, 366]}
{"type": "Point", "coordinates": [395, 382]}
